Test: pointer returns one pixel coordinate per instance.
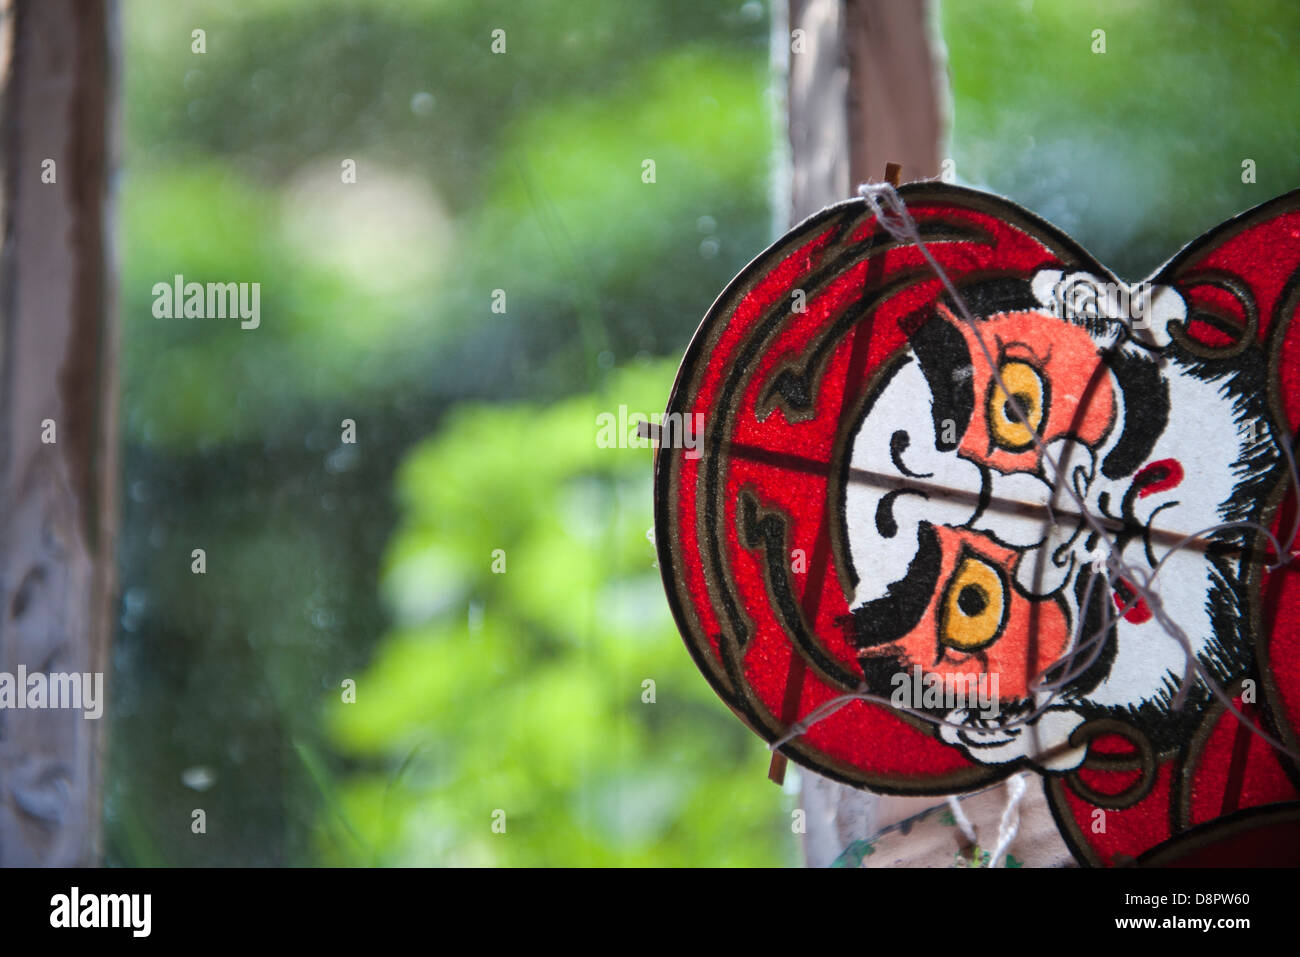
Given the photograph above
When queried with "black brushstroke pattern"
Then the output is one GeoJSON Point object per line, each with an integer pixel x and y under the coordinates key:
{"type": "Point", "coordinates": [899, 610]}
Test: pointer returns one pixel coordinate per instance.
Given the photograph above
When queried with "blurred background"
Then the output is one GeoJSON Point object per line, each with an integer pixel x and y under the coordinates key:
{"type": "Point", "coordinates": [498, 275]}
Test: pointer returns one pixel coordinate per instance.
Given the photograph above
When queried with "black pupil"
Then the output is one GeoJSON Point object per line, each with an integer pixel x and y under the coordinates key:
{"type": "Point", "coordinates": [1009, 411]}
{"type": "Point", "coordinates": [972, 600]}
{"type": "Point", "coordinates": [1156, 475]}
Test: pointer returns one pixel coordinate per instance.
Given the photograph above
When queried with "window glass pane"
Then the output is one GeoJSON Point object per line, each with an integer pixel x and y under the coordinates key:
{"type": "Point", "coordinates": [473, 227]}
{"type": "Point", "coordinates": [1126, 124]}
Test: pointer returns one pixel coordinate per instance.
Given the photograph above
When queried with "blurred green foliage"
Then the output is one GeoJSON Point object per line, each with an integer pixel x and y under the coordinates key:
{"type": "Point", "coordinates": [1138, 150]}
{"type": "Point", "coordinates": [474, 172]}
{"type": "Point", "coordinates": [534, 670]}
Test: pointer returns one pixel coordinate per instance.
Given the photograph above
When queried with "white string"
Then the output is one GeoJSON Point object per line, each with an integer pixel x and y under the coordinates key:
{"type": "Point", "coordinates": [1009, 826]}
{"type": "Point", "coordinates": [963, 822]}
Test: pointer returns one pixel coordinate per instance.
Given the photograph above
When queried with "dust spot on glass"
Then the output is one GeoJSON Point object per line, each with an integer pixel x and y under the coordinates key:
{"type": "Point", "coordinates": [198, 778]}
{"type": "Point", "coordinates": [422, 104]}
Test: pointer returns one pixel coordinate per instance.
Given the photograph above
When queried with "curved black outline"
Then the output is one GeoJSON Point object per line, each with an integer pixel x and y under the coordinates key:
{"type": "Point", "coordinates": [965, 554]}
{"type": "Point", "coordinates": [727, 678]}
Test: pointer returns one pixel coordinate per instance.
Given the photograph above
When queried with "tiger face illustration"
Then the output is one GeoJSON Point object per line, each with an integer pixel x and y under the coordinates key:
{"type": "Point", "coordinates": [961, 507]}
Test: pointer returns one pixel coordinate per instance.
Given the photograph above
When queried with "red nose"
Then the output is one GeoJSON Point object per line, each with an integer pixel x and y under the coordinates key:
{"type": "Point", "coordinates": [1123, 595]}
{"type": "Point", "coordinates": [1158, 476]}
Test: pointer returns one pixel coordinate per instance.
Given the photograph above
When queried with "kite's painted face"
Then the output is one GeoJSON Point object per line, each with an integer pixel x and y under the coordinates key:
{"type": "Point", "coordinates": [969, 552]}
{"type": "Point", "coordinates": [942, 444]}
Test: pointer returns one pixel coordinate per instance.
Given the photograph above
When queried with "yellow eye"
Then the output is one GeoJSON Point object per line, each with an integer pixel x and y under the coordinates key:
{"type": "Point", "coordinates": [1031, 392]}
{"type": "Point", "coordinates": [974, 608]}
